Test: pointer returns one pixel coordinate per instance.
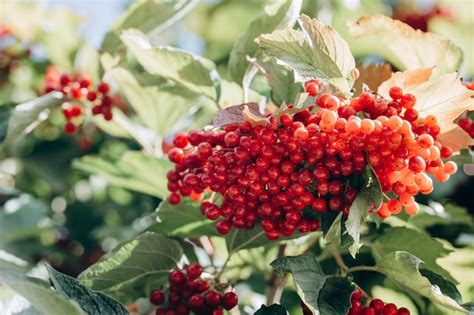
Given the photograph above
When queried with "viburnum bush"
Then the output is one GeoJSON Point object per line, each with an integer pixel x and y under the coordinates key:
{"type": "Point", "coordinates": [291, 163]}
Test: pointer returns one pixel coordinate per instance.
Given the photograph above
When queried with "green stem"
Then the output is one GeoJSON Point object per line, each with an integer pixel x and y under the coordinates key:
{"type": "Point", "coordinates": [276, 283]}
{"type": "Point", "coordinates": [337, 256]}
{"type": "Point", "coordinates": [362, 268]}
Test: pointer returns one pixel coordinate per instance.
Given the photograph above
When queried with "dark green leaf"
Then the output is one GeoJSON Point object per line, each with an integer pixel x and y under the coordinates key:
{"type": "Point", "coordinates": [277, 15]}
{"type": "Point", "coordinates": [124, 272]}
{"type": "Point", "coordinates": [40, 295]}
{"type": "Point", "coordinates": [416, 243]}
{"type": "Point", "coordinates": [369, 197]}
{"type": "Point", "coordinates": [446, 287]}
{"type": "Point", "coordinates": [325, 294]}
{"type": "Point", "coordinates": [94, 303]}
{"type": "Point", "coordinates": [5, 114]}
{"type": "Point", "coordinates": [274, 309]}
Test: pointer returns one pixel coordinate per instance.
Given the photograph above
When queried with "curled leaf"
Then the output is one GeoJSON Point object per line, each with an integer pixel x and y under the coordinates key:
{"type": "Point", "coordinates": [456, 139]}
{"type": "Point", "coordinates": [254, 119]}
{"type": "Point", "coordinates": [235, 114]}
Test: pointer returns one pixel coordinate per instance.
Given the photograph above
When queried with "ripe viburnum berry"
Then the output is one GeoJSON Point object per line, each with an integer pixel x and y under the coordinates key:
{"type": "Point", "coordinates": [286, 173]}
{"type": "Point", "coordinates": [188, 292]}
{"type": "Point", "coordinates": [79, 88]}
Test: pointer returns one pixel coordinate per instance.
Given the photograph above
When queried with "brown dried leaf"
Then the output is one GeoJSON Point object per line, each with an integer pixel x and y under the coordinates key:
{"type": "Point", "coordinates": [235, 114]}
{"type": "Point", "coordinates": [373, 75]}
{"type": "Point", "coordinates": [254, 119]}
{"type": "Point", "coordinates": [445, 97]}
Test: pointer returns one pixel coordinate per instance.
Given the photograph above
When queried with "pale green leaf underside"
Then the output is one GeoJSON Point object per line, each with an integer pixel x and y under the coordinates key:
{"type": "Point", "coordinates": [402, 46]}
{"type": "Point", "coordinates": [192, 72]}
{"type": "Point", "coordinates": [277, 15]}
{"type": "Point", "coordinates": [134, 170]}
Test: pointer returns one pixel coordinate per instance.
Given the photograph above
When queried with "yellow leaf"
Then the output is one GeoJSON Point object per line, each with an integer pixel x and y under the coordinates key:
{"type": "Point", "coordinates": [444, 97]}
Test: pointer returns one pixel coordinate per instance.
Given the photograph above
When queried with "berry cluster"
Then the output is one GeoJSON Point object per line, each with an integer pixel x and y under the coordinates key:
{"type": "Point", "coordinates": [375, 307]}
{"type": "Point", "coordinates": [79, 87]}
{"type": "Point", "coordinates": [189, 293]}
{"type": "Point", "coordinates": [267, 174]}
{"type": "Point", "coordinates": [284, 174]}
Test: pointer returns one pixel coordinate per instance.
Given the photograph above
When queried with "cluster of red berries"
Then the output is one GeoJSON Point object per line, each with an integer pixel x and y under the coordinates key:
{"type": "Point", "coordinates": [267, 174]}
{"type": "Point", "coordinates": [79, 87]}
{"type": "Point", "coordinates": [188, 292]}
{"type": "Point", "coordinates": [375, 307]}
{"type": "Point", "coordinates": [275, 174]}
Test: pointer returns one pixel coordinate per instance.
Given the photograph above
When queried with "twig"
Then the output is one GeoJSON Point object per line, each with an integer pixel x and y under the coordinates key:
{"type": "Point", "coordinates": [218, 276]}
{"type": "Point", "coordinates": [277, 283]}
{"type": "Point", "coordinates": [337, 256]}
{"type": "Point", "coordinates": [361, 268]}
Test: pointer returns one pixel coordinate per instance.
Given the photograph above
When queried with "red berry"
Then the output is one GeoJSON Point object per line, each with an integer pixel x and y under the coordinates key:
{"type": "Point", "coordinates": [194, 271]}
{"type": "Point", "coordinates": [229, 300]}
{"type": "Point", "coordinates": [103, 88]}
{"type": "Point", "coordinates": [176, 155]}
{"type": "Point", "coordinates": [368, 311]}
{"type": "Point", "coordinates": [180, 140]}
{"type": "Point", "coordinates": [377, 305]}
{"type": "Point", "coordinates": [408, 101]}
{"type": "Point", "coordinates": [177, 277]}
{"type": "Point", "coordinates": [84, 82]}
{"type": "Point", "coordinates": [196, 302]}
{"type": "Point", "coordinates": [403, 311]}
{"type": "Point", "coordinates": [157, 297]}
{"type": "Point", "coordinates": [70, 128]}
{"type": "Point", "coordinates": [212, 298]}
{"type": "Point", "coordinates": [223, 227]}
{"type": "Point", "coordinates": [65, 79]}
{"type": "Point", "coordinates": [395, 92]}
{"type": "Point", "coordinates": [312, 87]}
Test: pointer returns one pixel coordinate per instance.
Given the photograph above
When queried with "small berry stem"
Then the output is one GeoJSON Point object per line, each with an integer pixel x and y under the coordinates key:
{"type": "Point", "coordinates": [361, 268]}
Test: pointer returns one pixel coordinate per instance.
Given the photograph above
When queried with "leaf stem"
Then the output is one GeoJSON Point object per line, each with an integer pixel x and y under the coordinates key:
{"type": "Point", "coordinates": [361, 268]}
{"type": "Point", "coordinates": [337, 256]}
{"type": "Point", "coordinates": [224, 266]}
{"type": "Point", "coordinates": [276, 283]}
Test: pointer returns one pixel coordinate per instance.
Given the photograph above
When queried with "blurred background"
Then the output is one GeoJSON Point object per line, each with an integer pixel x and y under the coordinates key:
{"type": "Point", "coordinates": [52, 210]}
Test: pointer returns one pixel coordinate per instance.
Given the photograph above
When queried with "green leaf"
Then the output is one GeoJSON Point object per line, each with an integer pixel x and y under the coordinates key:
{"type": "Point", "coordinates": [9, 262]}
{"type": "Point", "coordinates": [284, 88]}
{"type": "Point", "coordinates": [124, 272]}
{"type": "Point", "coordinates": [150, 17]}
{"type": "Point", "coordinates": [87, 62]}
{"type": "Point", "coordinates": [190, 71]}
{"type": "Point", "coordinates": [5, 114]}
{"type": "Point", "coordinates": [446, 287]}
{"type": "Point", "coordinates": [25, 117]}
{"type": "Point", "coordinates": [333, 235]}
{"type": "Point", "coordinates": [277, 15]}
{"type": "Point", "coordinates": [22, 219]}
{"type": "Point", "coordinates": [402, 46]}
{"type": "Point", "coordinates": [416, 243]}
{"type": "Point", "coordinates": [158, 107]}
{"type": "Point", "coordinates": [435, 214]}
{"type": "Point", "coordinates": [403, 268]}
{"type": "Point", "coordinates": [317, 51]}
{"type": "Point", "coordinates": [369, 197]}
{"type": "Point", "coordinates": [135, 170]}
{"type": "Point", "coordinates": [94, 303]}
{"type": "Point", "coordinates": [40, 295]}
{"type": "Point", "coordinates": [274, 309]}
{"type": "Point", "coordinates": [325, 294]}
{"type": "Point", "coordinates": [184, 219]}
